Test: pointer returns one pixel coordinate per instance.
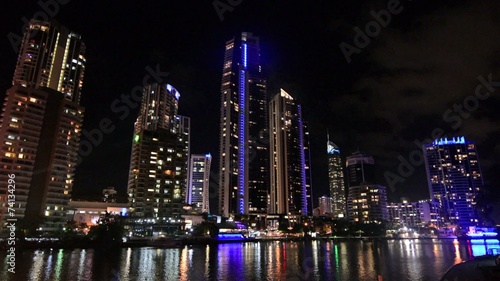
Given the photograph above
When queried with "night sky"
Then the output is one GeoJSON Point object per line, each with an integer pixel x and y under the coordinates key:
{"type": "Point", "coordinates": [395, 89]}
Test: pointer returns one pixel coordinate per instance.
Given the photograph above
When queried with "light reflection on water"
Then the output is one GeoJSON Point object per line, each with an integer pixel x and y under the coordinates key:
{"type": "Point", "coordinates": [313, 260]}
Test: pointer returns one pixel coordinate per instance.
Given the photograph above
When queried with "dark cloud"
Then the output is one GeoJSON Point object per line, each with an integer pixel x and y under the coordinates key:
{"type": "Point", "coordinates": [416, 69]}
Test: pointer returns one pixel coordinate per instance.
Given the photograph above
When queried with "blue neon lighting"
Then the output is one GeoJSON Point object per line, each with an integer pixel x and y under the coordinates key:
{"type": "Point", "coordinates": [242, 141]}
{"type": "Point", "coordinates": [171, 89]}
{"type": "Point", "coordinates": [483, 234]}
{"type": "Point", "coordinates": [230, 236]}
{"type": "Point", "coordinates": [244, 55]}
{"type": "Point", "coordinates": [332, 150]}
{"type": "Point", "coordinates": [445, 141]}
{"type": "Point", "coordinates": [302, 162]}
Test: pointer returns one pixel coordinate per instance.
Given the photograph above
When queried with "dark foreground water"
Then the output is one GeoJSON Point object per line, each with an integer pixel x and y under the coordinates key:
{"type": "Point", "coordinates": [395, 260]}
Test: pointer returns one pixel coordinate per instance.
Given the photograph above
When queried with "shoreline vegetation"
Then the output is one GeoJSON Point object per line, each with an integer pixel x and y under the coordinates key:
{"type": "Point", "coordinates": [83, 243]}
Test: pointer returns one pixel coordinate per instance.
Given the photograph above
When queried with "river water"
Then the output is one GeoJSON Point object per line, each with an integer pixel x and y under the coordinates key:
{"type": "Point", "coordinates": [395, 260]}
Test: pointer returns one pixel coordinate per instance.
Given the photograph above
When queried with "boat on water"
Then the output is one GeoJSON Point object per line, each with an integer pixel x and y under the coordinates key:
{"type": "Point", "coordinates": [232, 237]}
{"type": "Point", "coordinates": [482, 268]}
{"type": "Point", "coordinates": [165, 242]}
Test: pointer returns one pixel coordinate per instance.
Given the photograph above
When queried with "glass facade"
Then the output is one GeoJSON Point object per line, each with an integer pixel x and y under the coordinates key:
{"type": "Point", "coordinates": [336, 180]}
{"type": "Point", "coordinates": [244, 156]}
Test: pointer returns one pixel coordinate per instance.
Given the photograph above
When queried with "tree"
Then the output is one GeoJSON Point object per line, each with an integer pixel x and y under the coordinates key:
{"type": "Point", "coordinates": [109, 230]}
{"type": "Point", "coordinates": [205, 227]}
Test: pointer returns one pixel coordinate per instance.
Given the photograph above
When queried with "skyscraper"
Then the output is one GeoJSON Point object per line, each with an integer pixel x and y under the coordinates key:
{"type": "Point", "coordinates": [198, 182]}
{"type": "Point", "coordinates": [336, 180]}
{"type": "Point", "coordinates": [366, 200]}
{"type": "Point", "coordinates": [325, 205]}
{"type": "Point", "coordinates": [367, 203]}
{"type": "Point", "coordinates": [308, 167]}
{"type": "Point", "coordinates": [41, 126]}
{"type": "Point", "coordinates": [288, 188]}
{"type": "Point", "coordinates": [158, 168]}
{"type": "Point", "coordinates": [51, 56]}
{"type": "Point", "coordinates": [405, 213]}
{"type": "Point", "coordinates": [244, 156]}
{"type": "Point", "coordinates": [360, 169]}
{"type": "Point", "coordinates": [455, 180]}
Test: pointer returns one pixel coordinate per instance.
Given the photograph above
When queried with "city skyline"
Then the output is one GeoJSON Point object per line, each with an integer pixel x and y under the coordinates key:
{"type": "Point", "coordinates": [134, 72]}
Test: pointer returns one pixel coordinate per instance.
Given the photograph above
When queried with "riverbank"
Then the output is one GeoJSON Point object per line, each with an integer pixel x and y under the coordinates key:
{"type": "Point", "coordinates": [55, 243]}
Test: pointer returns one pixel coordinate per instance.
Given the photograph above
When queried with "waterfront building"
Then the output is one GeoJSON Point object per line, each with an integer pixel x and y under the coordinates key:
{"type": "Point", "coordinates": [336, 180]}
{"type": "Point", "coordinates": [159, 162]}
{"type": "Point", "coordinates": [367, 203]}
{"type": "Point", "coordinates": [243, 150]}
{"type": "Point", "coordinates": [41, 125]}
{"type": "Point", "coordinates": [412, 214]}
{"type": "Point", "coordinates": [89, 212]}
{"type": "Point", "coordinates": [405, 214]}
{"type": "Point", "coordinates": [366, 200]}
{"type": "Point", "coordinates": [288, 189]}
{"type": "Point", "coordinates": [326, 205]}
{"type": "Point", "coordinates": [455, 180]}
{"type": "Point", "coordinates": [429, 214]}
{"type": "Point", "coordinates": [198, 183]}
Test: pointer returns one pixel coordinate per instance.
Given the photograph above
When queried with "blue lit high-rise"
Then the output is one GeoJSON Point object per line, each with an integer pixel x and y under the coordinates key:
{"type": "Point", "coordinates": [455, 180]}
{"type": "Point", "coordinates": [243, 150]}
{"type": "Point", "coordinates": [288, 189]}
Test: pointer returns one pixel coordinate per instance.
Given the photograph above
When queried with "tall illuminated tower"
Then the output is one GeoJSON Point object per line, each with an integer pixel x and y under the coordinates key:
{"type": "Point", "coordinates": [288, 188]}
{"type": "Point", "coordinates": [336, 180]}
{"type": "Point", "coordinates": [243, 149]}
{"type": "Point", "coordinates": [51, 56]}
{"type": "Point", "coordinates": [158, 167]}
{"type": "Point", "coordinates": [41, 126]}
{"type": "Point", "coordinates": [198, 182]}
{"type": "Point", "coordinates": [455, 180]}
